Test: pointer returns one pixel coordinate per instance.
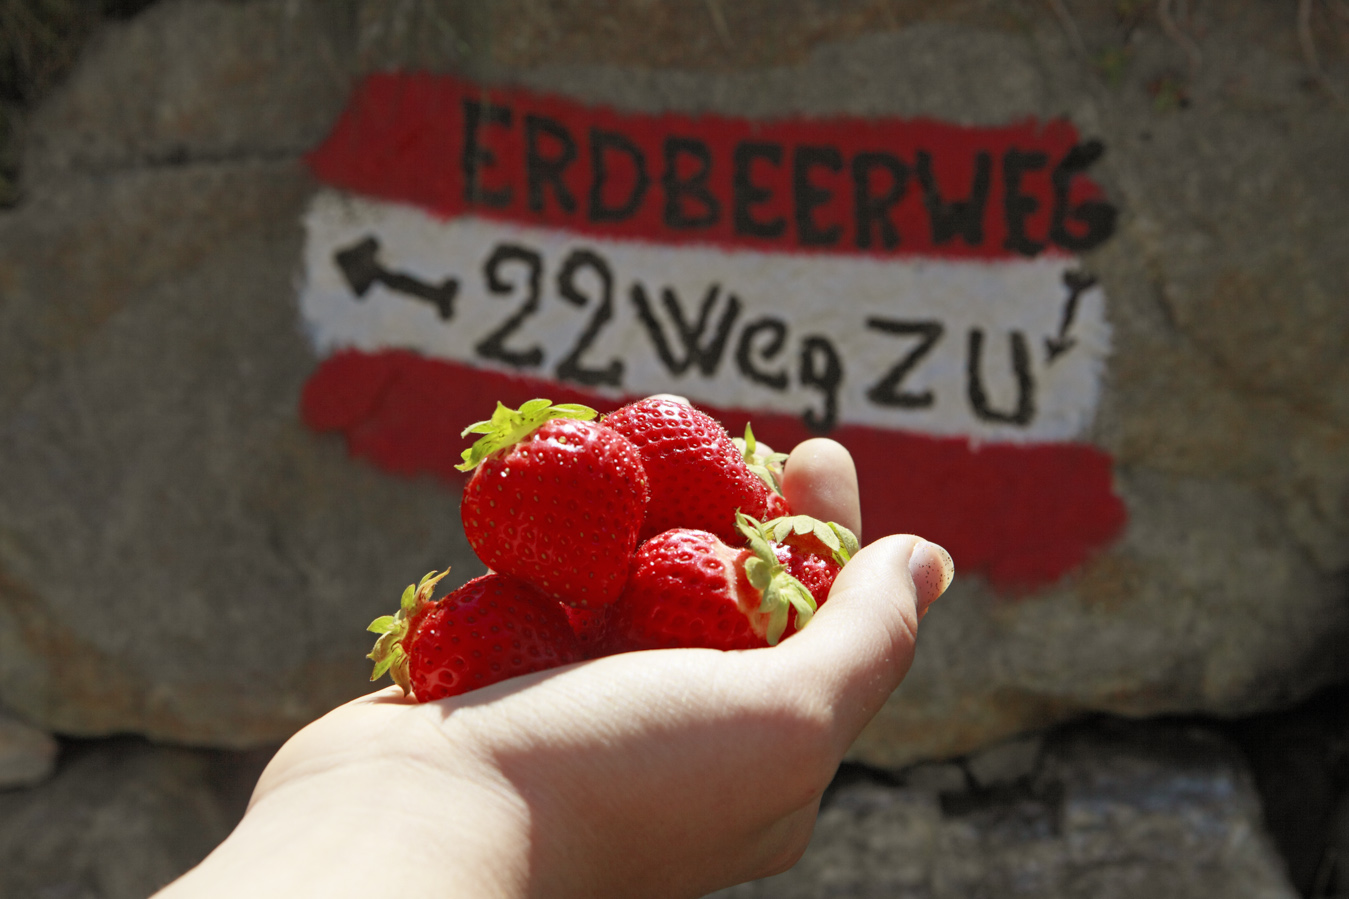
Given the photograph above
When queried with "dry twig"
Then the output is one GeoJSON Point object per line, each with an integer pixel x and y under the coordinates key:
{"type": "Point", "coordinates": [1304, 34]}
{"type": "Point", "coordinates": [719, 24]}
{"type": "Point", "coordinates": [1070, 27]}
{"type": "Point", "coordinates": [1194, 57]}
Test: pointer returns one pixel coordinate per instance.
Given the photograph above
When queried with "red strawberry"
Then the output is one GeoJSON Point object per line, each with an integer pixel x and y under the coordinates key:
{"type": "Point", "coordinates": [493, 628]}
{"type": "Point", "coordinates": [816, 573]}
{"type": "Point", "coordinates": [698, 476]}
{"type": "Point", "coordinates": [556, 500]}
{"type": "Point", "coordinates": [813, 551]}
{"type": "Point", "coordinates": [688, 588]}
{"type": "Point", "coordinates": [594, 629]}
{"type": "Point", "coordinates": [777, 506]}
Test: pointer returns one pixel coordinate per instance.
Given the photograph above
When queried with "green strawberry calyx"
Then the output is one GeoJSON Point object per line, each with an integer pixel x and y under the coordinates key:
{"type": "Point", "coordinates": [781, 593]}
{"type": "Point", "coordinates": [508, 427]}
{"type": "Point", "coordinates": [842, 542]}
{"type": "Point", "coordinates": [768, 466]}
{"type": "Point", "coordinates": [388, 655]}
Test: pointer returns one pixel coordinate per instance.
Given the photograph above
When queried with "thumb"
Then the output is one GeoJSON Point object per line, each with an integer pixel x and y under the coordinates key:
{"type": "Point", "coordinates": [860, 644]}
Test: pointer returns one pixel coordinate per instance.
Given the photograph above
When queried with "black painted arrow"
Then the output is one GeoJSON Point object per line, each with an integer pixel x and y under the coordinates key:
{"type": "Point", "coordinates": [360, 266]}
{"type": "Point", "coordinates": [1077, 283]}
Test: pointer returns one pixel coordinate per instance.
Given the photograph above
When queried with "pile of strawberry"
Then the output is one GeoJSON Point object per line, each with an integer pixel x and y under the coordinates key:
{"type": "Point", "coordinates": [647, 529]}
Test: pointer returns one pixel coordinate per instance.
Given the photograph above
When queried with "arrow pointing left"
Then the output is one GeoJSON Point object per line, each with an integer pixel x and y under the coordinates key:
{"type": "Point", "coordinates": [360, 266]}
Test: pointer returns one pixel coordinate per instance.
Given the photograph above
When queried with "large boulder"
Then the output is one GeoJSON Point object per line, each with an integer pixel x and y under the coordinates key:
{"type": "Point", "coordinates": [120, 819]}
{"type": "Point", "coordinates": [27, 755]}
{"type": "Point", "coordinates": [1107, 809]}
{"type": "Point", "coordinates": [1119, 811]}
{"type": "Point", "coordinates": [171, 561]}
{"type": "Point", "coordinates": [180, 556]}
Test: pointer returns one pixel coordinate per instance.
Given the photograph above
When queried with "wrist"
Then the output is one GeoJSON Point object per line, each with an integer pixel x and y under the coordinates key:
{"type": "Point", "coordinates": [368, 829]}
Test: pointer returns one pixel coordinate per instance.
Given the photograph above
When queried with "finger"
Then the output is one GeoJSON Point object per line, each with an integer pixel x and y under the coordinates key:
{"type": "Point", "coordinates": [860, 644]}
{"type": "Point", "coordinates": [932, 569]}
{"type": "Point", "coordinates": [820, 480]}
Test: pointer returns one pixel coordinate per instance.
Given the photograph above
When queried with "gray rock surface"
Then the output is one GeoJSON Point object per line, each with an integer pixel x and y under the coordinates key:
{"type": "Point", "coordinates": [1335, 867]}
{"type": "Point", "coordinates": [1108, 809]}
{"type": "Point", "coordinates": [120, 820]}
{"type": "Point", "coordinates": [179, 557]}
{"type": "Point", "coordinates": [1006, 762]}
{"type": "Point", "coordinates": [1137, 811]}
{"type": "Point", "coordinates": [27, 755]}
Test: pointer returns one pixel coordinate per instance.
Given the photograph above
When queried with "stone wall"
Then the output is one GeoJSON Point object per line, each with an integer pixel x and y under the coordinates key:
{"type": "Point", "coordinates": [181, 557]}
{"type": "Point", "coordinates": [1088, 810]}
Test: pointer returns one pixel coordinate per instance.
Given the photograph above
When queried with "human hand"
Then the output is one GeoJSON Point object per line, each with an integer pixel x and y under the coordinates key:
{"type": "Point", "coordinates": [665, 773]}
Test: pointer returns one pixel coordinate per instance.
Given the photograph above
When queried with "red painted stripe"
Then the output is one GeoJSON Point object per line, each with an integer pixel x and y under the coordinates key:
{"type": "Point", "coordinates": [1021, 515]}
{"type": "Point", "coordinates": [406, 136]}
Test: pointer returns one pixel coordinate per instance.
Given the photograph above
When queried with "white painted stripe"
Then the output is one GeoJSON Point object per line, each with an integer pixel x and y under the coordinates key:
{"type": "Point", "coordinates": [829, 296]}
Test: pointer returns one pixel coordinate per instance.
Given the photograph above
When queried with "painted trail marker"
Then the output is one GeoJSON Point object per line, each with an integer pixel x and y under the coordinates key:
{"type": "Point", "coordinates": [907, 287]}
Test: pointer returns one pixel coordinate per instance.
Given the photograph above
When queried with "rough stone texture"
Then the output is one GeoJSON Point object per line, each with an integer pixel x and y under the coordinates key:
{"type": "Point", "coordinates": [1334, 875]}
{"type": "Point", "coordinates": [193, 83]}
{"type": "Point", "coordinates": [120, 820]}
{"type": "Point", "coordinates": [180, 558]}
{"type": "Point", "coordinates": [1300, 758]}
{"type": "Point", "coordinates": [27, 755]}
{"type": "Point", "coordinates": [1124, 812]}
{"type": "Point", "coordinates": [1108, 809]}
{"type": "Point", "coordinates": [1006, 762]}
{"type": "Point", "coordinates": [204, 575]}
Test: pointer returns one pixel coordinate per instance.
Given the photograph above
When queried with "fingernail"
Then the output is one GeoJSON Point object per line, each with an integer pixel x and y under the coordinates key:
{"type": "Point", "coordinates": [932, 571]}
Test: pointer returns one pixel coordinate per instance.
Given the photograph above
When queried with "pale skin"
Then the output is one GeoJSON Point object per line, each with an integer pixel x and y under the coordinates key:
{"type": "Point", "coordinates": [656, 774]}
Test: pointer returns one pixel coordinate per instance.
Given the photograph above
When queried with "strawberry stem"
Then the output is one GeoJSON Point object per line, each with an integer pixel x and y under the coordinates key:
{"type": "Point", "coordinates": [389, 655]}
{"type": "Point", "coordinates": [842, 543]}
{"type": "Point", "coordinates": [780, 592]}
{"type": "Point", "coordinates": [767, 466]}
{"type": "Point", "coordinates": [508, 427]}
